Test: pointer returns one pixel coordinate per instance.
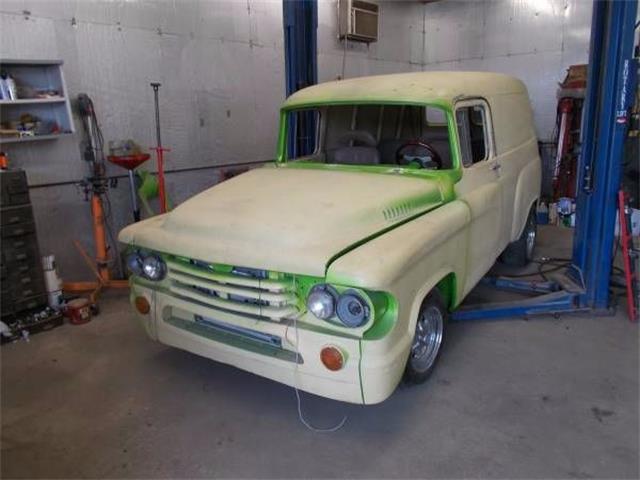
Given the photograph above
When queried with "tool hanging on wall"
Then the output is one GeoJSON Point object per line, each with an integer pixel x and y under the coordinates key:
{"type": "Point", "coordinates": [159, 149]}
{"type": "Point", "coordinates": [96, 190]}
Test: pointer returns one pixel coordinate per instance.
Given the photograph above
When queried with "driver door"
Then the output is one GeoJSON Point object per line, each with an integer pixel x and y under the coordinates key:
{"type": "Point", "coordinates": [479, 187]}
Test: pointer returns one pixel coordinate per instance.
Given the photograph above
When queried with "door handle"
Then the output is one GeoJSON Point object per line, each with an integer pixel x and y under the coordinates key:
{"type": "Point", "coordinates": [496, 167]}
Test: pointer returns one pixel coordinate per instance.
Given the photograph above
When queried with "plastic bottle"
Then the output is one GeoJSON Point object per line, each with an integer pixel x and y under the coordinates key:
{"type": "Point", "coordinates": [543, 214]}
{"type": "Point", "coordinates": [11, 87]}
{"type": "Point", "coordinates": [52, 281]}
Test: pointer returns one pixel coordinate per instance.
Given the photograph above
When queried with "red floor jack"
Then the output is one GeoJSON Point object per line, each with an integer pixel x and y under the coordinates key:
{"type": "Point", "coordinates": [159, 149]}
{"type": "Point", "coordinates": [629, 256]}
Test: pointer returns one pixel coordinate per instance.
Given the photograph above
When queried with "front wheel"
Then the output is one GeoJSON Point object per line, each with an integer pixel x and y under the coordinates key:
{"type": "Point", "coordinates": [428, 339]}
{"type": "Point", "coordinates": [520, 252]}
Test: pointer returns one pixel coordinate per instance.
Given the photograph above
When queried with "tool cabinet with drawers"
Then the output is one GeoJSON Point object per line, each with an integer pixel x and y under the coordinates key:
{"type": "Point", "coordinates": [22, 279]}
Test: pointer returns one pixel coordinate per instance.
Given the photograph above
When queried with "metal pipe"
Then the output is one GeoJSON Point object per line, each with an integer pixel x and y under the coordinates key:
{"type": "Point", "coordinates": [175, 170]}
{"type": "Point", "coordinates": [134, 197]}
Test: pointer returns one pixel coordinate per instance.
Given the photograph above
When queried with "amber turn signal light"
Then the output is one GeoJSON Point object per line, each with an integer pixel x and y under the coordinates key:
{"type": "Point", "coordinates": [142, 305]}
{"type": "Point", "coordinates": [332, 358]}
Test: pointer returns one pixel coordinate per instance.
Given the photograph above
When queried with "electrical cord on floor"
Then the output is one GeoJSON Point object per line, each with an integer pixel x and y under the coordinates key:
{"type": "Point", "coordinates": [557, 264]}
{"type": "Point", "coordinates": [303, 420]}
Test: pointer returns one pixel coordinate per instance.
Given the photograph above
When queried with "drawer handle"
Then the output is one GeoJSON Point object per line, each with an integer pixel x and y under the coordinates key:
{"type": "Point", "coordinates": [27, 293]}
{"type": "Point", "coordinates": [24, 268]}
{"type": "Point", "coordinates": [19, 231]}
{"type": "Point", "coordinates": [21, 256]}
{"type": "Point", "coordinates": [18, 244]}
{"type": "Point", "coordinates": [14, 219]}
{"type": "Point", "coordinates": [26, 280]}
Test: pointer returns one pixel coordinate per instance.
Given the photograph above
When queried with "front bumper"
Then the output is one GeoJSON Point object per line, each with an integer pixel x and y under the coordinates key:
{"type": "Point", "coordinates": [368, 378]}
{"type": "Point", "coordinates": [169, 314]}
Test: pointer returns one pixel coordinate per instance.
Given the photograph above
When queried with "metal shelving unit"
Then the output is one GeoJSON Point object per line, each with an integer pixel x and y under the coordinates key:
{"type": "Point", "coordinates": [33, 77]}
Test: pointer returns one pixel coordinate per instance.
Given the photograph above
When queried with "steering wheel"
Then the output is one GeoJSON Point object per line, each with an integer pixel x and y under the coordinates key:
{"type": "Point", "coordinates": [435, 156]}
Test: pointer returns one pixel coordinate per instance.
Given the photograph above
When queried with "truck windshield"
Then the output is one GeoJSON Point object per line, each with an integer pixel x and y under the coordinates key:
{"type": "Point", "coordinates": [407, 135]}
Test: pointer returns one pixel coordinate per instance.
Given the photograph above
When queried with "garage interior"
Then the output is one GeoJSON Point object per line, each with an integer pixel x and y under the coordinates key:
{"type": "Point", "coordinates": [115, 111]}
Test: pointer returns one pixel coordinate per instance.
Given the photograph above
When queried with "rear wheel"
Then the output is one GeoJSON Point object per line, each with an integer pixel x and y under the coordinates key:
{"type": "Point", "coordinates": [520, 252]}
{"type": "Point", "coordinates": [428, 339]}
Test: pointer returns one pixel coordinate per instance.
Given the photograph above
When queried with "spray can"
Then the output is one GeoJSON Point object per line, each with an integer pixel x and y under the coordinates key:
{"type": "Point", "coordinates": [52, 281]}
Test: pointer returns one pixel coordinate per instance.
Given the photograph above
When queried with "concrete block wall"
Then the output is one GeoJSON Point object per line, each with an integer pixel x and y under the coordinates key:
{"type": "Point", "coordinates": [221, 65]}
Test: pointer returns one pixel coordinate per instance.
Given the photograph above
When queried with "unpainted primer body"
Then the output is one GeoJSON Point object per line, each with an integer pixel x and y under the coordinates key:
{"type": "Point", "coordinates": [379, 229]}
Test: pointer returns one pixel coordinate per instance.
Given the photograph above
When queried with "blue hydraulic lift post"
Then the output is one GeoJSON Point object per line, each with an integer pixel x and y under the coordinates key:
{"type": "Point", "coordinates": [610, 90]}
{"type": "Point", "coordinates": [611, 83]}
{"type": "Point", "coordinates": [300, 20]}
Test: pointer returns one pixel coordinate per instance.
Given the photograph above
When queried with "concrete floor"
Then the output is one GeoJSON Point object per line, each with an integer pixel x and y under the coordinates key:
{"type": "Point", "coordinates": [544, 398]}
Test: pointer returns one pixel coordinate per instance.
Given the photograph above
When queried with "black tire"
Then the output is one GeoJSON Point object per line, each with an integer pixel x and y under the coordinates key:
{"type": "Point", "coordinates": [520, 252]}
{"type": "Point", "coordinates": [422, 360]}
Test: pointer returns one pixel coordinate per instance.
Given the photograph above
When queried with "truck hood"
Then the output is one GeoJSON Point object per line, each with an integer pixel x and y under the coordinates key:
{"type": "Point", "coordinates": [293, 220]}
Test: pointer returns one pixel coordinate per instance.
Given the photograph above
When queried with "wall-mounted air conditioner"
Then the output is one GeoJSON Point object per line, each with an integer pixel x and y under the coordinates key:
{"type": "Point", "coordinates": [358, 20]}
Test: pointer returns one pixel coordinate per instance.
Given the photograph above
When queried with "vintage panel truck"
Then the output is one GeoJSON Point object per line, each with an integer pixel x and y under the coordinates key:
{"type": "Point", "coordinates": [333, 269]}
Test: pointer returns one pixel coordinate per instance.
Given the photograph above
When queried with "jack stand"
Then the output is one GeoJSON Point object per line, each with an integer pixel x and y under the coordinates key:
{"type": "Point", "coordinates": [159, 149]}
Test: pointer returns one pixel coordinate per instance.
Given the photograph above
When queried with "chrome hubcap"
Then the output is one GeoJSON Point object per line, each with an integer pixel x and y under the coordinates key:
{"type": "Point", "coordinates": [427, 340]}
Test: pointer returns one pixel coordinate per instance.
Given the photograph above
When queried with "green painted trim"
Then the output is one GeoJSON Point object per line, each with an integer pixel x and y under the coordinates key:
{"type": "Point", "coordinates": [447, 287]}
{"type": "Point", "coordinates": [383, 306]}
{"type": "Point", "coordinates": [235, 340]}
{"type": "Point", "coordinates": [386, 311]}
{"type": "Point", "coordinates": [454, 174]}
{"type": "Point", "coordinates": [281, 148]}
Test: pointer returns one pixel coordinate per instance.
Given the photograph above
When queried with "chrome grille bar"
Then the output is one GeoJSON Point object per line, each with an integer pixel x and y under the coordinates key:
{"type": "Point", "coordinates": [233, 292]}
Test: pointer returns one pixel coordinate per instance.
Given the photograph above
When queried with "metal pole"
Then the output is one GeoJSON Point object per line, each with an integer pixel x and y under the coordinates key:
{"type": "Point", "coordinates": [155, 87]}
{"type": "Point", "coordinates": [159, 151]}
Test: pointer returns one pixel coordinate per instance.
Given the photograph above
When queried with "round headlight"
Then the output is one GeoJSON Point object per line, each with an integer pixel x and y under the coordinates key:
{"type": "Point", "coordinates": [134, 263]}
{"type": "Point", "coordinates": [153, 267]}
{"type": "Point", "coordinates": [322, 301]}
{"type": "Point", "coordinates": [352, 309]}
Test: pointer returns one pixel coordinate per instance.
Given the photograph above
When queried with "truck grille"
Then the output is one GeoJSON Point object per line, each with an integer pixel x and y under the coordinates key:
{"type": "Point", "coordinates": [243, 291]}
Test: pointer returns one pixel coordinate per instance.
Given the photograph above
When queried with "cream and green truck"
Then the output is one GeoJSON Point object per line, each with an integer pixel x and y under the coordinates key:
{"type": "Point", "coordinates": [334, 268]}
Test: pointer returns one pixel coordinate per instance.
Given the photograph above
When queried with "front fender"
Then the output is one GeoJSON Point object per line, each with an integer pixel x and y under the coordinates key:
{"type": "Point", "coordinates": [411, 258]}
{"type": "Point", "coordinates": [407, 262]}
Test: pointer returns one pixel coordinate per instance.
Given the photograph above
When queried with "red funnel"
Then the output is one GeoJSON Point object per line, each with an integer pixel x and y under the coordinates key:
{"type": "Point", "coordinates": [129, 162]}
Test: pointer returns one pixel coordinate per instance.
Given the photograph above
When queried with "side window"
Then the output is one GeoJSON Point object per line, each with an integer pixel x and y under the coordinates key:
{"type": "Point", "coordinates": [473, 133]}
